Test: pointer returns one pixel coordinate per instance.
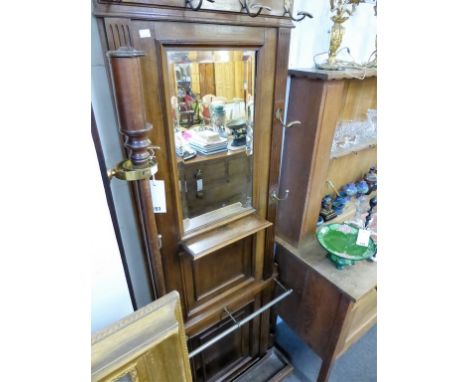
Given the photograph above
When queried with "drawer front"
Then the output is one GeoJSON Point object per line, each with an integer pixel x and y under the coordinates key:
{"type": "Point", "coordinates": [362, 317]}
{"type": "Point", "coordinates": [217, 275]}
{"type": "Point", "coordinates": [277, 6]}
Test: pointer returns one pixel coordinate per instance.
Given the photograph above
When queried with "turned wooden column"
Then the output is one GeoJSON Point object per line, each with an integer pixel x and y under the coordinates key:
{"type": "Point", "coordinates": [127, 82]}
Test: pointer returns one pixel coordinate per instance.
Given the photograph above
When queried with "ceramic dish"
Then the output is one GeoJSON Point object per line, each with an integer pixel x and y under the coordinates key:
{"type": "Point", "coordinates": [339, 240]}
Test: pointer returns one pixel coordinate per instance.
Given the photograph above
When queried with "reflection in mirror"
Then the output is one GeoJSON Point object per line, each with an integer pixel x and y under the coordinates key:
{"type": "Point", "coordinates": [212, 102]}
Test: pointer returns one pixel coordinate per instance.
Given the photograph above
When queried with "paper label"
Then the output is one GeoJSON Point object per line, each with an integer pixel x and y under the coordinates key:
{"type": "Point", "coordinates": [363, 238]}
{"type": "Point", "coordinates": [158, 195]}
{"type": "Point", "coordinates": [144, 33]}
{"type": "Point", "coordinates": [199, 185]}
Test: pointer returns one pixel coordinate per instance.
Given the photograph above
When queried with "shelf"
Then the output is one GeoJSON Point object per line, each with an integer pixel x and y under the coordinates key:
{"type": "Point", "coordinates": [221, 237]}
{"type": "Point", "coordinates": [353, 150]}
{"type": "Point", "coordinates": [200, 158]}
{"type": "Point", "coordinates": [320, 74]}
{"type": "Point", "coordinates": [349, 211]}
{"type": "Point", "coordinates": [274, 366]}
{"type": "Point", "coordinates": [203, 223]}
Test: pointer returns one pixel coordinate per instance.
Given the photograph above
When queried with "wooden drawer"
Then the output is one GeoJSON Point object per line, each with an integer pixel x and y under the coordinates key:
{"type": "Point", "coordinates": [277, 6]}
{"type": "Point", "coordinates": [363, 315]}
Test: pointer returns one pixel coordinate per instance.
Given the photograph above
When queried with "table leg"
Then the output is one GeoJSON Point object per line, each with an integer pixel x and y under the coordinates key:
{"type": "Point", "coordinates": [325, 369]}
{"type": "Point", "coordinates": [332, 348]}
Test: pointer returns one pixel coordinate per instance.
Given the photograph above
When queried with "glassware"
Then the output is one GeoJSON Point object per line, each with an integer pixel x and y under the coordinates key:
{"type": "Point", "coordinates": [372, 118]}
{"type": "Point", "coordinates": [361, 210]}
{"type": "Point", "coordinates": [354, 135]}
{"type": "Point", "coordinates": [218, 118]}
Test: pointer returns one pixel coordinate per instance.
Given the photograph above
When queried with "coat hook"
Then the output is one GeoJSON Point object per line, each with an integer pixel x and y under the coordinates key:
{"type": "Point", "coordinates": [302, 14]}
{"type": "Point", "coordinates": [274, 195]}
{"type": "Point", "coordinates": [245, 5]}
{"type": "Point", "coordinates": [279, 111]}
{"type": "Point", "coordinates": [200, 3]}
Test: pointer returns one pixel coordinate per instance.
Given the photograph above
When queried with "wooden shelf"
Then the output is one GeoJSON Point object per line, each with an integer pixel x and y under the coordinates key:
{"type": "Point", "coordinates": [349, 210]}
{"type": "Point", "coordinates": [326, 75]}
{"type": "Point", "coordinates": [206, 158]}
{"type": "Point", "coordinates": [274, 366]}
{"type": "Point", "coordinates": [353, 150]}
{"type": "Point", "coordinates": [218, 238]}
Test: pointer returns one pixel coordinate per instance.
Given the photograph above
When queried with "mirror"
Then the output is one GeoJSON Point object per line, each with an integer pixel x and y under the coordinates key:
{"type": "Point", "coordinates": [212, 103]}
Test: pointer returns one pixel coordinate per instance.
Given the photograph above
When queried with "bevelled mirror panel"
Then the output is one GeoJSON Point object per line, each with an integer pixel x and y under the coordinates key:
{"type": "Point", "coordinates": [212, 95]}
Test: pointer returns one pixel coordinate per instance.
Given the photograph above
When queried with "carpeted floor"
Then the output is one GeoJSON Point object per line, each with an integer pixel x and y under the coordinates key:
{"type": "Point", "coordinates": [358, 364]}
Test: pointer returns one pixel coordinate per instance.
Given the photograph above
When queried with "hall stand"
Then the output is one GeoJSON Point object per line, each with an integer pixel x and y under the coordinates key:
{"type": "Point", "coordinates": [217, 253]}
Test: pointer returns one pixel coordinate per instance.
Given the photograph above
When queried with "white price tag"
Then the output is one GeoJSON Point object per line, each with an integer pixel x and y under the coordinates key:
{"type": "Point", "coordinates": [144, 33]}
{"type": "Point", "coordinates": [199, 185]}
{"type": "Point", "coordinates": [158, 195]}
{"type": "Point", "coordinates": [363, 238]}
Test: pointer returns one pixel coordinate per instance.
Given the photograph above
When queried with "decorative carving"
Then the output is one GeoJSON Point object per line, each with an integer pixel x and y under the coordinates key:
{"type": "Point", "coordinates": [118, 33]}
{"type": "Point", "coordinates": [140, 313]}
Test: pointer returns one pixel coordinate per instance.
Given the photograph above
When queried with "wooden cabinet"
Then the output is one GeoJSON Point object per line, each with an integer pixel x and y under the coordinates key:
{"type": "Point", "coordinates": [320, 100]}
{"type": "Point", "coordinates": [214, 245]}
{"type": "Point", "coordinates": [330, 309]}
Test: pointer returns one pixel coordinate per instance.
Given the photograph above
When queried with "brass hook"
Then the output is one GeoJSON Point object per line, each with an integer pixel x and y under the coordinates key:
{"type": "Point", "coordinates": [245, 5]}
{"type": "Point", "coordinates": [200, 3]}
{"type": "Point", "coordinates": [279, 118]}
{"type": "Point", "coordinates": [274, 195]}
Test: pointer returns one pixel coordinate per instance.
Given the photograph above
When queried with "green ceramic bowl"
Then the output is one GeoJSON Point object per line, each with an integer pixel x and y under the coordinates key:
{"type": "Point", "coordinates": [339, 240]}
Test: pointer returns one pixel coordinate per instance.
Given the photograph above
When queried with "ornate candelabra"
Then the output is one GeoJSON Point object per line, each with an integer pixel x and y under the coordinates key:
{"type": "Point", "coordinates": [342, 10]}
